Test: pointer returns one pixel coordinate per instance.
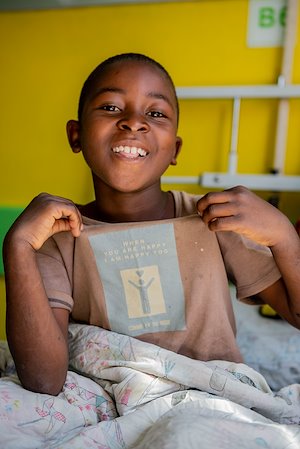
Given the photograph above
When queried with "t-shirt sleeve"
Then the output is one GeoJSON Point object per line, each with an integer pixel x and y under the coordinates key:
{"type": "Point", "coordinates": [250, 266]}
{"type": "Point", "coordinates": [56, 275]}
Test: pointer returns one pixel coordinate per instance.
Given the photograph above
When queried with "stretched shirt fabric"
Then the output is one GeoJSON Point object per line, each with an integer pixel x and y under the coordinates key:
{"type": "Point", "coordinates": [164, 282]}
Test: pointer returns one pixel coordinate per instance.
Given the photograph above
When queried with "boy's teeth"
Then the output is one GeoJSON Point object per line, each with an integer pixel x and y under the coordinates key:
{"type": "Point", "coordinates": [130, 150]}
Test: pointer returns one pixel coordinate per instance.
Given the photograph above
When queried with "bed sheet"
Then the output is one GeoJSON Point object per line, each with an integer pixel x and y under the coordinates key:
{"type": "Point", "coordinates": [123, 393]}
{"type": "Point", "coordinates": [270, 346]}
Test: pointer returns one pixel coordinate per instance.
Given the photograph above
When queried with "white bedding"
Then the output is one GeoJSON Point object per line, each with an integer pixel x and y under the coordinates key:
{"type": "Point", "coordinates": [124, 393]}
{"type": "Point", "coordinates": [270, 346]}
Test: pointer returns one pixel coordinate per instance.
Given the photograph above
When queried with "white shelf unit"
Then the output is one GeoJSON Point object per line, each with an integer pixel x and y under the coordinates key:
{"type": "Point", "coordinates": [269, 182]}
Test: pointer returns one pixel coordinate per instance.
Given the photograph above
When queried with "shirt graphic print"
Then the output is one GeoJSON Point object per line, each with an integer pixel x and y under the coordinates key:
{"type": "Point", "coordinates": [141, 279]}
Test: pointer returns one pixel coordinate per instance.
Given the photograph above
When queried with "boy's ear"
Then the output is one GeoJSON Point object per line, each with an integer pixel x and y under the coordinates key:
{"type": "Point", "coordinates": [74, 135]}
{"type": "Point", "coordinates": [178, 146]}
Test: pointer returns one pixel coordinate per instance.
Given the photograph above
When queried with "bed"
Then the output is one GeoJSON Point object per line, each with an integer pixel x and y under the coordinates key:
{"type": "Point", "coordinates": [124, 393]}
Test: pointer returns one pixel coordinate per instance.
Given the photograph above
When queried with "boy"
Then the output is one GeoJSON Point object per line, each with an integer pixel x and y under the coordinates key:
{"type": "Point", "coordinates": [138, 260]}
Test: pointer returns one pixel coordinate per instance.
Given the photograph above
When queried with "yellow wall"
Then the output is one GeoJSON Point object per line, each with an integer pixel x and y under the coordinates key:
{"type": "Point", "coordinates": [46, 55]}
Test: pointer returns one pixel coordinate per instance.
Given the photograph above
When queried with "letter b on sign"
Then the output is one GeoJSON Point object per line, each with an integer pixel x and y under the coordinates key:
{"type": "Point", "coordinates": [266, 22]}
{"type": "Point", "coordinates": [270, 17]}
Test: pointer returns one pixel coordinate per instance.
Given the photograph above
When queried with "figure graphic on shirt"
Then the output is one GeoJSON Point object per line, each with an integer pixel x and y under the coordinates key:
{"type": "Point", "coordinates": [143, 289]}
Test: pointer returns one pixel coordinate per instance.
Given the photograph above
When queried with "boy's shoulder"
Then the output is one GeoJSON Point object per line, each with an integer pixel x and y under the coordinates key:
{"type": "Point", "coordinates": [185, 203]}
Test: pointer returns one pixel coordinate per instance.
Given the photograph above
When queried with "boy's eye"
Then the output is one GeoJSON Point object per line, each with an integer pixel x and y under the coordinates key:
{"type": "Point", "coordinates": [110, 108]}
{"type": "Point", "coordinates": [156, 114]}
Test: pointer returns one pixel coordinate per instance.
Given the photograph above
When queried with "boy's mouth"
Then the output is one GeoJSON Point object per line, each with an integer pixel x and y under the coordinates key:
{"type": "Point", "coordinates": [130, 152]}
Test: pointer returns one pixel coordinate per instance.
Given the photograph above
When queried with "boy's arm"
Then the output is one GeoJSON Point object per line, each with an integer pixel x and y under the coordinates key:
{"type": "Point", "coordinates": [37, 335]}
{"type": "Point", "coordinates": [241, 211]}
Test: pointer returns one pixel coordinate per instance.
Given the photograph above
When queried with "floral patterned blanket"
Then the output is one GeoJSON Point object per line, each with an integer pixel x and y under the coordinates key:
{"type": "Point", "coordinates": [122, 393]}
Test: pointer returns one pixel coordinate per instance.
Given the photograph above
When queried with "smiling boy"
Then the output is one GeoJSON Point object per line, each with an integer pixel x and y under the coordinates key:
{"type": "Point", "coordinates": [139, 260]}
{"type": "Point", "coordinates": [132, 116]}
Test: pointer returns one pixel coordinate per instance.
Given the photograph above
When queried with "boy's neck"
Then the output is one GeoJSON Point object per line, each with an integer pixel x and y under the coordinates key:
{"type": "Point", "coordinates": [131, 207]}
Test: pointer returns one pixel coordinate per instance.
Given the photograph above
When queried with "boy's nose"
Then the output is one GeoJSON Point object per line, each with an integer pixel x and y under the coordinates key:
{"type": "Point", "coordinates": [133, 123]}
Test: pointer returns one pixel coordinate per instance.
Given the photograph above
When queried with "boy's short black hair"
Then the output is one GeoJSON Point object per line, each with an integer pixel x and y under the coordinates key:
{"type": "Point", "coordinates": [139, 57]}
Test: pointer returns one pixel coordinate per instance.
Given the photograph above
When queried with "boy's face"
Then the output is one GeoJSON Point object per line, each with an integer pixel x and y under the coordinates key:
{"type": "Point", "coordinates": [128, 129]}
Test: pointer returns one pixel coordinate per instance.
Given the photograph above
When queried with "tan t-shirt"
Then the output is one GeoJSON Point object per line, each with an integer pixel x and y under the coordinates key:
{"type": "Point", "coordinates": [164, 282]}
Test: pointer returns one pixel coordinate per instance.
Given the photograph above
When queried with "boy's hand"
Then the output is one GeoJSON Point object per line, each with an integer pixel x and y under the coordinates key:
{"type": "Point", "coordinates": [241, 211]}
{"type": "Point", "coordinates": [45, 216]}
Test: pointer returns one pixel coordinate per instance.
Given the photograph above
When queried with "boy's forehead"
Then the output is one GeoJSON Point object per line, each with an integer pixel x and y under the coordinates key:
{"type": "Point", "coordinates": [126, 72]}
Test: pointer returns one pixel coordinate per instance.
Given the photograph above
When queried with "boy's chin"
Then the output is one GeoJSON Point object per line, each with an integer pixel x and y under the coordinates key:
{"type": "Point", "coordinates": [133, 186]}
